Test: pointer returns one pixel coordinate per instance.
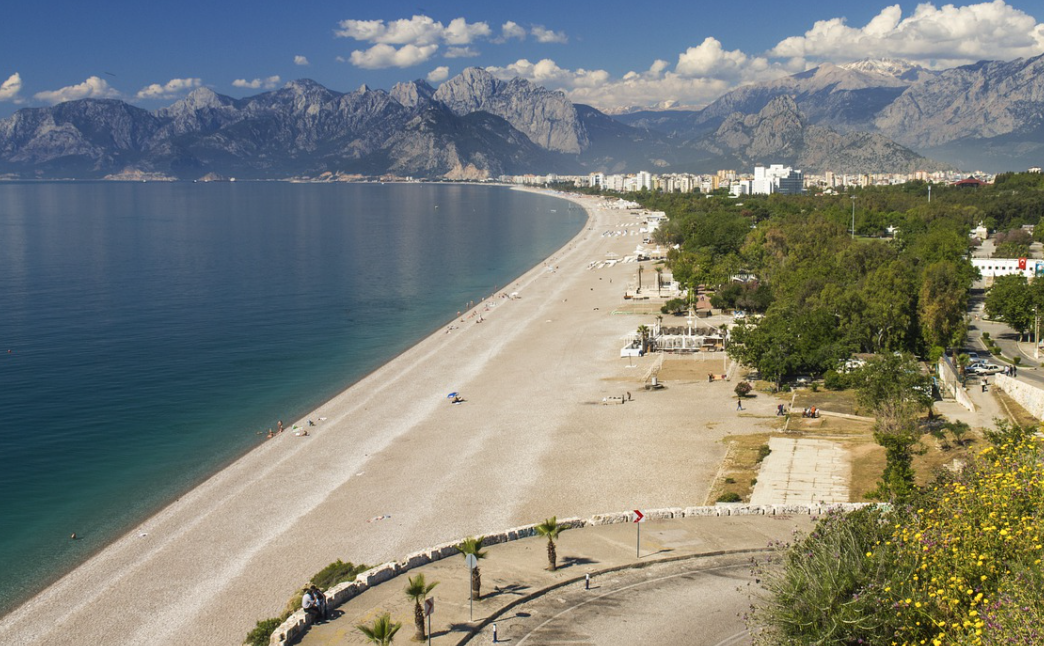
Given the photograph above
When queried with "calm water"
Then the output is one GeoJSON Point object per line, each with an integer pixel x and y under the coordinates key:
{"type": "Point", "coordinates": [149, 332]}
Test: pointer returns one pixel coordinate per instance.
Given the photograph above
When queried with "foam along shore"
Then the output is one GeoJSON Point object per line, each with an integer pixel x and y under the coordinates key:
{"type": "Point", "coordinates": [394, 467]}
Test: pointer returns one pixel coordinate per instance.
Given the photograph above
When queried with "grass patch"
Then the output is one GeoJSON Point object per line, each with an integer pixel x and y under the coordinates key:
{"type": "Point", "coordinates": [835, 401]}
{"type": "Point", "coordinates": [740, 468]}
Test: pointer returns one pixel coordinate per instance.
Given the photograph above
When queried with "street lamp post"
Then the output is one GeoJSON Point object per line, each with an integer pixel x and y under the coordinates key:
{"type": "Point", "coordinates": [853, 216]}
{"type": "Point", "coordinates": [1036, 333]}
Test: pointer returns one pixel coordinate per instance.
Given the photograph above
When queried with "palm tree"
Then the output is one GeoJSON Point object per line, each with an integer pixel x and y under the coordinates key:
{"type": "Point", "coordinates": [551, 529]}
{"type": "Point", "coordinates": [640, 270]}
{"type": "Point", "coordinates": [418, 590]}
{"type": "Point", "coordinates": [659, 279]}
{"type": "Point", "coordinates": [643, 334]}
{"type": "Point", "coordinates": [382, 631]}
{"type": "Point", "coordinates": [473, 546]}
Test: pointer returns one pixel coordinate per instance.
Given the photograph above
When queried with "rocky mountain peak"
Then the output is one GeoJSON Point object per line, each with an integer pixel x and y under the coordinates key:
{"type": "Point", "coordinates": [413, 94]}
{"type": "Point", "coordinates": [469, 91]}
{"type": "Point", "coordinates": [548, 118]}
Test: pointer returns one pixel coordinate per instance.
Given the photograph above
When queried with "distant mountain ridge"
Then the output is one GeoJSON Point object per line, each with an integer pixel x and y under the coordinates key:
{"type": "Point", "coordinates": [473, 126]}
{"type": "Point", "coordinates": [988, 115]}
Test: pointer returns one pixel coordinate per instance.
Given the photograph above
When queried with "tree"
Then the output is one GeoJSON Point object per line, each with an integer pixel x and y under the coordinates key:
{"type": "Point", "coordinates": [1011, 300]}
{"type": "Point", "coordinates": [942, 301]}
{"type": "Point", "coordinates": [643, 334]}
{"type": "Point", "coordinates": [551, 529]}
{"type": "Point", "coordinates": [473, 546]}
{"type": "Point", "coordinates": [893, 387]}
{"type": "Point", "coordinates": [659, 279]}
{"type": "Point", "coordinates": [382, 631]}
{"type": "Point", "coordinates": [417, 591]}
{"type": "Point", "coordinates": [640, 270]}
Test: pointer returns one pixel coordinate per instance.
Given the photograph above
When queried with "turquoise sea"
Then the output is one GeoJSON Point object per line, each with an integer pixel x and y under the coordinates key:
{"type": "Point", "coordinates": [150, 333]}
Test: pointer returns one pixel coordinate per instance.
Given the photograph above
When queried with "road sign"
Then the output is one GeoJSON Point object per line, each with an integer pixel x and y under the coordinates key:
{"type": "Point", "coordinates": [471, 561]}
{"type": "Point", "coordinates": [639, 517]}
{"type": "Point", "coordinates": [429, 607]}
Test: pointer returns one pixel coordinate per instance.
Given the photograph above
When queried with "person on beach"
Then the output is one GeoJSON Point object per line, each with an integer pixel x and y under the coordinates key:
{"type": "Point", "coordinates": [279, 426]}
{"type": "Point", "coordinates": [739, 404]}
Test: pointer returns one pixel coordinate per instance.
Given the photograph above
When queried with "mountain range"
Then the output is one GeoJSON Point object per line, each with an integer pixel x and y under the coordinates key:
{"type": "Point", "coordinates": [863, 117]}
{"type": "Point", "coordinates": [989, 115]}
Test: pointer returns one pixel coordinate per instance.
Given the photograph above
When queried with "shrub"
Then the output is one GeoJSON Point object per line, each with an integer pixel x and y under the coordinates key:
{"type": "Point", "coordinates": [763, 452]}
{"type": "Point", "coordinates": [674, 306]}
{"type": "Point", "coordinates": [337, 572]}
{"type": "Point", "coordinates": [743, 389]}
{"type": "Point", "coordinates": [814, 386]}
{"type": "Point", "coordinates": [986, 335]}
{"type": "Point", "coordinates": [834, 380]}
{"type": "Point", "coordinates": [261, 635]}
{"type": "Point", "coordinates": [730, 481]}
{"type": "Point", "coordinates": [730, 496]}
{"type": "Point", "coordinates": [961, 566]}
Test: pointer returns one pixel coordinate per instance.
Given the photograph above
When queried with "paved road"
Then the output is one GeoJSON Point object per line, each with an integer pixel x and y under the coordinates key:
{"type": "Point", "coordinates": [695, 602]}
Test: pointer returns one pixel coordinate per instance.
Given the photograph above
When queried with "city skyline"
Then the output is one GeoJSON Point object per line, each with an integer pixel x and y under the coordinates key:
{"type": "Point", "coordinates": [609, 55]}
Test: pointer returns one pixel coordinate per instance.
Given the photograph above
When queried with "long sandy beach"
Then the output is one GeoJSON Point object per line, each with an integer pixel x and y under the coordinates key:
{"type": "Point", "coordinates": [394, 467]}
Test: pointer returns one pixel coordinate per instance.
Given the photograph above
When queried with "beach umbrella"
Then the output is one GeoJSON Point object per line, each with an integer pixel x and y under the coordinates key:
{"type": "Point", "coordinates": [451, 395]}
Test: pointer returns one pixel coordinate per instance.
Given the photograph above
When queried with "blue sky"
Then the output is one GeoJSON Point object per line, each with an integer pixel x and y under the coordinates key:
{"type": "Point", "coordinates": [608, 54]}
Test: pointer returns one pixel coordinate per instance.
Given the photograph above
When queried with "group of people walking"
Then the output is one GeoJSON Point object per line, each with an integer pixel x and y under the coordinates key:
{"type": "Point", "coordinates": [313, 601]}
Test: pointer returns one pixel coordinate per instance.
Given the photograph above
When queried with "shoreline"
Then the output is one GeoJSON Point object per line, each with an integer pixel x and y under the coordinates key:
{"type": "Point", "coordinates": [307, 411]}
{"type": "Point", "coordinates": [139, 527]}
{"type": "Point", "coordinates": [395, 468]}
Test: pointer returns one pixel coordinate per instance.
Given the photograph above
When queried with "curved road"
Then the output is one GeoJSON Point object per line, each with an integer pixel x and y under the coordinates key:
{"type": "Point", "coordinates": [697, 601]}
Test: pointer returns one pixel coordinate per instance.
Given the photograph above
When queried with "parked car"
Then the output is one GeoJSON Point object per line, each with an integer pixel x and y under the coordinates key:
{"type": "Point", "coordinates": [983, 368]}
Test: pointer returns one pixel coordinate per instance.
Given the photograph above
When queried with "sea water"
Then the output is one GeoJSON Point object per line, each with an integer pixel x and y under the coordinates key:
{"type": "Point", "coordinates": [152, 333]}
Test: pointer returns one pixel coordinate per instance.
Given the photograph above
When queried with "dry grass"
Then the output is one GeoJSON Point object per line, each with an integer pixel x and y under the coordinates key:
{"type": "Point", "coordinates": [1015, 411]}
{"type": "Point", "coordinates": [690, 369]}
{"type": "Point", "coordinates": [739, 468]}
{"type": "Point", "coordinates": [835, 401]}
{"type": "Point", "coordinates": [944, 454]}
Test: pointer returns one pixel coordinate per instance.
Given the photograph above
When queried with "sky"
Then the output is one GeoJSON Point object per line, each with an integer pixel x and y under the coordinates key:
{"type": "Point", "coordinates": [607, 54]}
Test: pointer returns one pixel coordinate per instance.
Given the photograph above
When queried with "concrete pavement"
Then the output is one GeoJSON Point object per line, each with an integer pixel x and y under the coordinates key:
{"type": "Point", "coordinates": [695, 562]}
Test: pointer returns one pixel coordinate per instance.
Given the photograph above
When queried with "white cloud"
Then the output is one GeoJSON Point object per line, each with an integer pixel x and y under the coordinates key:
{"type": "Point", "coordinates": [172, 88]}
{"type": "Point", "coordinates": [11, 87]}
{"type": "Point", "coordinates": [655, 85]}
{"type": "Point", "coordinates": [301, 60]}
{"type": "Point", "coordinates": [267, 83]}
{"type": "Point", "coordinates": [511, 30]}
{"type": "Point", "coordinates": [439, 74]}
{"type": "Point", "coordinates": [544, 35]}
{"type": "Point", "coordinates": [461, 52]}
{"type": "Point", "coordinates": [709, 58]}
{"type": "Point", "coordinates": [382, 55]}
{"type": "Point", "coordinates": [548, 74]}
{"type": "Point", "coordinates": [419, 31]}
{"type": "Point", "coordinates": [92, 88]}
{"type": "Point", "coordinates": [934, 37]}
{"type": "Point", "coordinates": [459, 32]}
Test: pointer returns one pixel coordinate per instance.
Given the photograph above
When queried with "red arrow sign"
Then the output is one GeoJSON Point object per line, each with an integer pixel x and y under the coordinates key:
{"type": "Point", "coordinates": [639, 517]}
{"type": "Point", "coordinates": [429, 607]}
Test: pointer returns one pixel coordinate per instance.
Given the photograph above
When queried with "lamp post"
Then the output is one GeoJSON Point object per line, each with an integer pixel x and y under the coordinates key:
{"type": "Point", "coordinates": [1036, 333]}
{"type": "Point", "coordinates": [853, 216]}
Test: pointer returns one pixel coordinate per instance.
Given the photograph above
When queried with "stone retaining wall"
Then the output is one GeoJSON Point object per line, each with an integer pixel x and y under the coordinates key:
{"type": "Point", "coordinates": [948, 376]}
{"type": "Point", "coordinates": [1028, 396]}
{"type": "Point", "coordinates": [296, 625]}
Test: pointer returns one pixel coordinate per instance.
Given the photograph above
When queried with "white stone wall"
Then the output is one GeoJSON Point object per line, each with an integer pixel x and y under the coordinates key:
{"type": "Point", "coordinates": [1029, 397]}
{"type": "Point", "coordinates": [296, 625]}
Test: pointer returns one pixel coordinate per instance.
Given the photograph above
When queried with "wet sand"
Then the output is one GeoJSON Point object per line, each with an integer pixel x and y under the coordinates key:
{"type": "Point", "coordinates": [395, 467]}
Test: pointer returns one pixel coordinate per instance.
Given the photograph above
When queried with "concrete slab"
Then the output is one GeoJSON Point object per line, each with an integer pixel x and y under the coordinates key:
{"type": "Point", "coordinates": [802, 471]}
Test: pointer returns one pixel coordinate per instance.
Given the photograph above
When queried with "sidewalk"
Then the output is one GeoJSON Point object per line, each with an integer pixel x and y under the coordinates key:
{"type": "Point", "coordinates": [515, 572]}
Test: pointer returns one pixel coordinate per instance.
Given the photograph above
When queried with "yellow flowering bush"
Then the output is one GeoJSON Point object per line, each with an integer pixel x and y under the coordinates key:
{"type": "Point", "coordinates": [960, 566]}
